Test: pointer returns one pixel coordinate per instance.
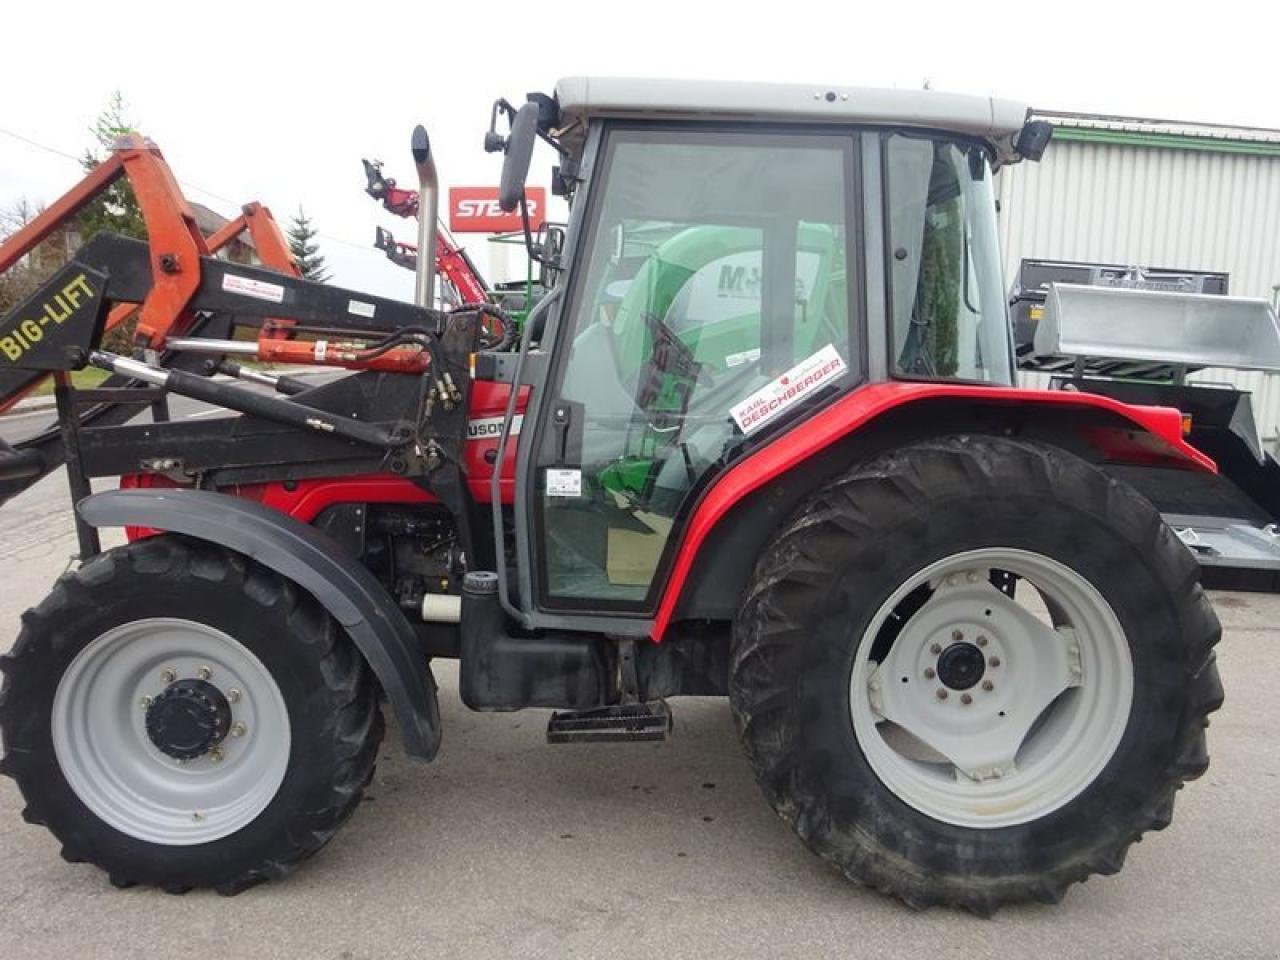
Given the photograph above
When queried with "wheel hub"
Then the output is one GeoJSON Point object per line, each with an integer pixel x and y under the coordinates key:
{"type": "Point", "coordinates": [991, 706]}
{"type": "Point", "coordinates": [961, 665]}
{"type": "Point", "coordinates": [188, 719]}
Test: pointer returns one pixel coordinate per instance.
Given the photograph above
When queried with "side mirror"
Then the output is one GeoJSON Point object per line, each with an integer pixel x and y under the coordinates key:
{"type": "Point", "coordinates": [550, 246]}
{"type": "Point", "coordinates": [519, 153]}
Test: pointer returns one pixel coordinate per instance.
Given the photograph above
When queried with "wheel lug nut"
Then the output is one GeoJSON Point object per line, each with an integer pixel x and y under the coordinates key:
{"type": "Point", "coordinates": [994, 661]}
{"type": "Point", "coordinates": [216, 754]}
{"type": "Point", "coordinates": [988, 686]}
{"type": "Point", "coordinates": [205, 673]}
{"type": "Point", "coordinates": [966, 699]}
{"type": "Point", "coordinates": [144, 702]}
{"type": "Point", "coordinates": [233, 695]}
{"type": "Point", "coordinates": [167, 675]}
{"type": "Point", "coordinates": [942, 694]}
{"type": "Point", "coordinates": [929, 673]}
{"type": "Point", "coordinates": [238, 729]}
{"type": "Point", "coordinates": [956, 636]}
{"type": "Point", "coordinates": [982, 641]}
{"type": "Point", "coordinates": [935, 649]}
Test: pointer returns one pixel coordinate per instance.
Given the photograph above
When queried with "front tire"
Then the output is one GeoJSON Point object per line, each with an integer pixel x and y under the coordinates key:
{"type": "Point", "coordinates": [182, 716]}
{"type": "Point", "coordinates": [932, 725]}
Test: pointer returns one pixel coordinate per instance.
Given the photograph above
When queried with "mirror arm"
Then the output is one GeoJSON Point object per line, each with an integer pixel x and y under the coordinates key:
{"type": "Point", "coordinates": [494, 142]}
{"type": "Point", "coordinates": [534, 249]}
{"type": "Point", "coordinates": [554, 144]}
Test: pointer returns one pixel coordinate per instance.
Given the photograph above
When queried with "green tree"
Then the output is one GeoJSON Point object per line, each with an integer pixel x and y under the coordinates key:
{"type": "Point", "coordinates": [116, 208]}
{"type": "Point", "coordinates": [306, 252]}
{"type": "Point", "coordinates": [940, 281]}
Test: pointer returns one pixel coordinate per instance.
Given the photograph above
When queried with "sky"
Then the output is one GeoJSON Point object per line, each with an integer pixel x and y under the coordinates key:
{"type": "Point", "coordinates": [278, 101]}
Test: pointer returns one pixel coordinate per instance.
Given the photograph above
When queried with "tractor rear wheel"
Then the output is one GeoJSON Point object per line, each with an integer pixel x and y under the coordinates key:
{"type": "Point", "coordinates": [974, 671]}
{"type": "Point", "coordinates": [182, 716]}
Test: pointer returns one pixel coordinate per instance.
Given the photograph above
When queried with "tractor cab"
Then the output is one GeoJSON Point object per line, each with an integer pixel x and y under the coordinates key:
{"type": "Point", "coordinates": [738, 256]}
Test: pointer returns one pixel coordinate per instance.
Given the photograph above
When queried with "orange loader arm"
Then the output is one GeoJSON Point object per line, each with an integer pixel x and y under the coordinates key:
{"type": "Point", "coordinates": [175, 241]}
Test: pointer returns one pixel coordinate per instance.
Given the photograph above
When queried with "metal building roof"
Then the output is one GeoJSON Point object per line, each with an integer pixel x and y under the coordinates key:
{"type": "Point", "coordinates": [989, 118]}
{"type": "Point", "coordinates": [1156, 133]}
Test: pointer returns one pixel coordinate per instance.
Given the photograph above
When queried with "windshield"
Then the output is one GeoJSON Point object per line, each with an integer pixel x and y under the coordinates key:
{"type": "Point", "coordinates": [949, 315]}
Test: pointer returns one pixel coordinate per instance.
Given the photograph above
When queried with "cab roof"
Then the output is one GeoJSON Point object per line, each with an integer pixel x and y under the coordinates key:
{"type": "Point", "coordinates": [988, 118]}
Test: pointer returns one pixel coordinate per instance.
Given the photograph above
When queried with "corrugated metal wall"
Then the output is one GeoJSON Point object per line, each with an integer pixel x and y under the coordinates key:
{"type": "Point", "coordinates": [1185, 209]}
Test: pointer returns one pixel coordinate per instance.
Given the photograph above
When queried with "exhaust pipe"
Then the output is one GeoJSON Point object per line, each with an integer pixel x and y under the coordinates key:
{"type": "Point", "coordinates": [428, 212]}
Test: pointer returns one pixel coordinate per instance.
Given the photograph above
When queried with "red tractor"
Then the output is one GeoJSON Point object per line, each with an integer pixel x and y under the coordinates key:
{"type": "Point", "coordinates": [761, 440]}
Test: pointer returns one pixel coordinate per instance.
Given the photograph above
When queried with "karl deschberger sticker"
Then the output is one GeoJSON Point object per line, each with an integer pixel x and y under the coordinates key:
{"type": "Point", "coordinates": [790, 388]}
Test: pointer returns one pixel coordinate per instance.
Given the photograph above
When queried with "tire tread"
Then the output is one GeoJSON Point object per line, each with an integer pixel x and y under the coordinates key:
{"type": "Point", "coordinates": [771, 627]}
{"type": "Point", "coordinates": [354, 727]}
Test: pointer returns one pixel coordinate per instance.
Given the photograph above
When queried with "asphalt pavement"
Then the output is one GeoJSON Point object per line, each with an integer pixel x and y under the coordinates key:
{"type": "Point", "coordinates": [508, 847]}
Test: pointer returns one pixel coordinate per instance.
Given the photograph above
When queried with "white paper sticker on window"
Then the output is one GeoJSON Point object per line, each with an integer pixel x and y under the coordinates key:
{"type": "Point", "coordinates": [358, 308]}
{"type": "Point", "coordinates": [801, 381]}
{"type": "Point", "coordinates": [248, 287]}
{"type": "Point", "coordinates": [564, 483]}
{"type": "Point", "coordinates": [738, 359]}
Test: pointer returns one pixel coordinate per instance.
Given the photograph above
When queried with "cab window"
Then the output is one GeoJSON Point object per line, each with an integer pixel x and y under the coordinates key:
{"type": "Point", "coordinates": [949, 318]}
{"type": "Point", "coordinates": [716, 265]}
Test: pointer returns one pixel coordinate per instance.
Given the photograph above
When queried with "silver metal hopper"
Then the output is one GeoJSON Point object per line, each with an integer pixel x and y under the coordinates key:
{"type": "Point", "coordinates": [1182, 329]}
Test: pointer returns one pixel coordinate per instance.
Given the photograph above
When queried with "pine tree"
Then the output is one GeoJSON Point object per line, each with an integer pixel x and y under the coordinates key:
{"type": "Point", "coordinates": [306, 252]}
{"type": "Point", "coordinates": [116, 209]}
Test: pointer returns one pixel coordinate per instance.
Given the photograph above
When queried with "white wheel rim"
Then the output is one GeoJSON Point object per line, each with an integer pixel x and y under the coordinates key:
{"type": "Point", "coordinates": [102, 746]}
{"type": "Point", "coordinates": [1036, 728]}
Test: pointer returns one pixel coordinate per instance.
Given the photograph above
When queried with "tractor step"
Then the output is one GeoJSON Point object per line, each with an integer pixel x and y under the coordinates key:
{"type": "Point", "coordinates": [617, 724]}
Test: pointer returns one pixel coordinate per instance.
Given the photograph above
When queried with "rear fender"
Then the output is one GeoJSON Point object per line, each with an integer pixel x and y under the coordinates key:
{"type": "Point", "coordinates": [317, 564]}
{"type": "Point", "coordinates": [736, 516]}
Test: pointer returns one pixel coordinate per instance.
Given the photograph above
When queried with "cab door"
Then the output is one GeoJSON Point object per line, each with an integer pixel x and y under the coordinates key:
{"type": "Point", "coordinates": [713, 303]}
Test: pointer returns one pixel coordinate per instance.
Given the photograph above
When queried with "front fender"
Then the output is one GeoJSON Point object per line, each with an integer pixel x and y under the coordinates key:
{"type": "Point", "coordinates": [317, 564]}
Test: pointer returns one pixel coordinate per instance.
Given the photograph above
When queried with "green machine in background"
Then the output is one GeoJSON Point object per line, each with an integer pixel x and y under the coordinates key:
{"type": "Point", "coordinates": [691, 296]}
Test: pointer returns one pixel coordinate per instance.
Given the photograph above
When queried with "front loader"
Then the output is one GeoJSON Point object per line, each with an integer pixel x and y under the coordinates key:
{"type": "Point", "coordinates": [760, 440]}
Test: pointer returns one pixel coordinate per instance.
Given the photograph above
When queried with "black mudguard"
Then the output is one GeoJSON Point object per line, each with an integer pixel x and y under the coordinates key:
{"type": "Point", "coordinates": [318, 565]}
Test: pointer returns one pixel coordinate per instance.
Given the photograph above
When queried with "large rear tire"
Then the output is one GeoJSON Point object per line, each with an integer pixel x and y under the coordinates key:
{"type": "Point", "coordinates": [182, 716]}
{"type": "Point", "coordinates": [974, 671]}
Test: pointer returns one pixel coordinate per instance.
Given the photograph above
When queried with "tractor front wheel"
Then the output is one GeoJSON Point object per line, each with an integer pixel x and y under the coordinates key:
{"type": "Point", "coordinates": [974, 671]}
{"type": "Point", "coordinates": [182, 716]}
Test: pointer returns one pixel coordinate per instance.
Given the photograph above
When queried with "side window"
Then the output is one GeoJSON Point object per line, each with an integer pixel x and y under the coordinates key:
{"type": "Point", "coordinates": [717, 263]}
{"type": "Point", "coordinates": [948, 307]}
